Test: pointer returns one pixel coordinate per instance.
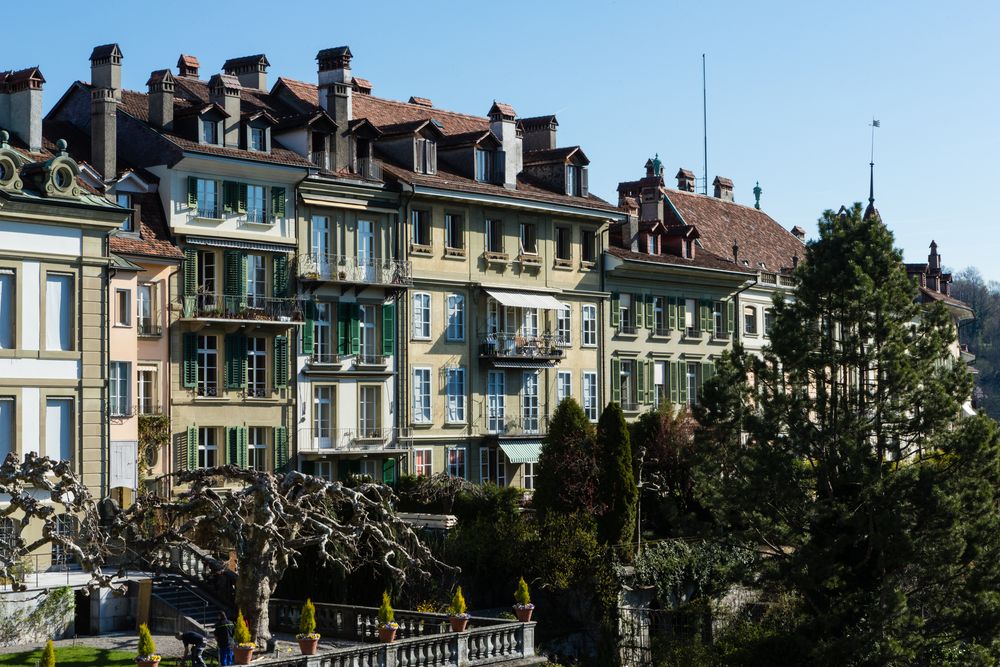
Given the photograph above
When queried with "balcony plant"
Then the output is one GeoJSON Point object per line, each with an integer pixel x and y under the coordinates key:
{"type": "Point", "coordinates": [457, 613]}
{"type": "Point", "coordinates": [243, 653]}
{"type": "Point", "coordinates": [522, 602]}
{"type": "Point", "coordinates": [387, 624]}
{"type": "Point", "coordinates": [147, 649]}
{"type": "Point", "coordinates": [308, 638]}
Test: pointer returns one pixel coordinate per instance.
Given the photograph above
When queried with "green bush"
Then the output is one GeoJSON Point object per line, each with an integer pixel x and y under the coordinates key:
{"type": "Point", "coordinates": [307, 620]}
{"type": "Point", "coordinates": [48, 655]}
{"type": "Point", "coordinates": [522, 596]}
{"type": "Point", "coordinates": [146, 645]}
{"type": "Point", "coordinates": [241, 635]}
{"type": "Point", "coordinates": [458, 606]}
{"type": "Point", "coordinates": [386, 614]}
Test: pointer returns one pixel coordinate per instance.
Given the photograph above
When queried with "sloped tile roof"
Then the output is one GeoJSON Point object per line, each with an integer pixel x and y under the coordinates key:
{"type": "Point", "coordinates": [702, 259]}
{"type": "Point", "coordinates": [154, 238]}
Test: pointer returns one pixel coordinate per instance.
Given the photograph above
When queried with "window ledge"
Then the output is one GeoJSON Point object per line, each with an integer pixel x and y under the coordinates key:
{"type": "Point", "coordinates": [426, 426]}
{"type": "Point", "coordinates": [421, 339]}
{"type": "Point", "coordinates": [455, 425]}
{"type": "Point", "coordinates": [452, 254]}
{"type": "Point", "coordinates": [421, 249]}
{"type": "Point", "coordinates": [587, 266]}
{"type": "Point", "coordinates": [562, 267]}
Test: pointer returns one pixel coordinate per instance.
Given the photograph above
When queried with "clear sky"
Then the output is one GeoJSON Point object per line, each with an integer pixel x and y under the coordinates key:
{"type": "Point", "coordinates": [792, 86]}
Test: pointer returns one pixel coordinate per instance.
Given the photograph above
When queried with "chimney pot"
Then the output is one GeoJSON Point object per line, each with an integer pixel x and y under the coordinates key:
{"type": "Point", "coordinates": [21, 105]}
{"type": "Point", "coordinates": [539, 132]}
{"type": "Point", "coordinates": [685, 180]}
{"type": "Point", "coordinates": [188, 66]}
{"type": "Point", "coordinates": [106, 68]}
{"type": "Point", "coordinates": [723, 188]}
{"type": "Point", "coordinates": [224, 90]}
{"type": "Point", "coordinates": [104, 131]}
{"type": "Point", "coordinates": [335, 88]}
{"type": "Point", "coordinates": [250, 70]}
{"type": "Point", "coordinates": [503, 124]}
{"type": "Point", "coordinates": [161, 99]}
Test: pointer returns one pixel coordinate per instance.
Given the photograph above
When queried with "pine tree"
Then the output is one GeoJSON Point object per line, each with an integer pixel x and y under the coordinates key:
{"type": "Point", "coordinates": [617, 492]}
{"type": "Point", "coordinates": [876, 503]}
{"type": "Point", "coordinates": [566, 475]}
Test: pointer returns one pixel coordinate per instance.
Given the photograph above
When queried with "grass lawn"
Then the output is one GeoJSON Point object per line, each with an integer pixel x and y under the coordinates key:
{"type": "Point", "coordinates": [71, 656]}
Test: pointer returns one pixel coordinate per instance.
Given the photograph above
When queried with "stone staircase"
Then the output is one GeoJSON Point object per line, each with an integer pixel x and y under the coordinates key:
{"type": "Point", "coordinates": [191, 607]}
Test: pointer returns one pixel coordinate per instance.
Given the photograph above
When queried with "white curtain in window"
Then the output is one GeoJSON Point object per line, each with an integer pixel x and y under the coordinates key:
{"type": "Point", "coordinates": [6, 310]}
{"type": "Point", "coordinates": [59, 428]}
{"type": "Point", "coordinates": [6, 427]}
{"type": "Point", "coordinates": [58, 312]}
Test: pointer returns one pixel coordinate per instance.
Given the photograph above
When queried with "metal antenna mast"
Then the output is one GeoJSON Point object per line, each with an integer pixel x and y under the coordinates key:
{"type": "Point", "coordinates": [871, 164]}
{"type": "Point", "coordinates": [704, 119]}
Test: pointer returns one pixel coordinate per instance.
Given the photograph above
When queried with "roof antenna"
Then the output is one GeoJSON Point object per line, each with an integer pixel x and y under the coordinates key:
{"type": "Point", "coordinates": [704, 120]}
{"type": "Point", "coordinates": [871, 165]}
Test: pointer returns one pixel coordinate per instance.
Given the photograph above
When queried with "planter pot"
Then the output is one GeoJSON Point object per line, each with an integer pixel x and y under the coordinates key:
{"type": "Point", "coordinates": [458, 624]}
{"type": "Point", "coordinates": [523, 614]}
{"type": "Point", "coordinates": [386, 635]}
{"type": "Point", "coordinates": [147, 663]}
{"type": "Point", "coordinates": [308, 646]}
{"type": "Point", "coordinates": [242, 656]}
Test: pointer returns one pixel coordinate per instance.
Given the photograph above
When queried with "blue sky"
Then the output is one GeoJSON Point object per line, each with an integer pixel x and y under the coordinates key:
{"type": "Point", "coordinates": [792, 87]}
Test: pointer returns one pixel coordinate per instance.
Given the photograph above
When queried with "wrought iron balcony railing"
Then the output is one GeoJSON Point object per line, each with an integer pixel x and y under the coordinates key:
{"type": "Point", "coordinates": [514, 346]}
{"type": "Point", "coordinates": [351, 269]}
{"type": "Point", "coordinates": [498, 423]}
{"type": "Point", "coordinates": [369, 438]}
{"type": "Point", "coordinates": [242, 307]}
{"type": "Point", "coordinates": [149, 326]}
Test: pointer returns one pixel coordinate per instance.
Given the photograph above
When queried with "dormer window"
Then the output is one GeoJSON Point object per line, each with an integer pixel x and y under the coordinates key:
{"type": "Point", "coordinates": [652, 247]}
{"type": "Point", "coordinates": [484, 165]}
{"type": "Point", "coordinates": [320, 154]}
{"type": "Point", "coordinates": [209, 131]}
{"type": "Point", "coordinates": [425, 156]}
{"type": "Point", "coordinates": [124, 200]}
{"type": "Point", "coordinates": [258, 139]}
{"type": "Point", "coordinates": [576, 180]}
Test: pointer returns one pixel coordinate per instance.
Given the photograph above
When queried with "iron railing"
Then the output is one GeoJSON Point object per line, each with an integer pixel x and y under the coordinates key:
{"type": "Point", "coordinates": [498, 423]}
{"type": "Point", "coordinates": [351, 269]}
{"type": "Point", "coordinates": [242, 307]}
{"type": "Point", "coordinates": [149, 326]}
{"type": "Point", "coordinates": [369, 438]}
{"type": "Point", "coordinates": [367, 167]}
{"type": "Point", "coordinates": [503, 345]}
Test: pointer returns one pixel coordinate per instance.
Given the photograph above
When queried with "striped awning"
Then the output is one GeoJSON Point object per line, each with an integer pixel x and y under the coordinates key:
{"type": "Point", "coordinates": [523, 364]}
{"type": "Point", "coordinates": [241, 245]}
{"type": "Point", "coordinates": [525, 299]}
{"type": "Point", "coordinates": [522, 451]}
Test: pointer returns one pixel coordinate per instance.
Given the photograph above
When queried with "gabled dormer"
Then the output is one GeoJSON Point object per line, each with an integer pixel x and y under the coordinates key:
{"type": "Point", "coordinates": [476, 155]}
{"type": "Point", "coordinates": [255, 134]}
{"type": "Point", "coordinates": [363, 137]}
{"type": "Point", "coordinates": [412, 144]}
{"type": "Point", "coordinates": [562, 170]}
{"type": "Point", "coordinates": [680, 240]}
{"type": "Point", "coordinates": [203, 123]}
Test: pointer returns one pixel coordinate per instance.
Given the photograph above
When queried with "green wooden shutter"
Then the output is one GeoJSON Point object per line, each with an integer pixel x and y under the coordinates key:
{"type": "Point", "coordinates": [280, 447]}
{"type": "Point", "coordinates": [707, 371]}
{"type": "Point", "coordinates": [308, 328]}
{"type": "Point", "coordinates": [673, 380]}
{"type": "Point", "coordinates": [241, 197]}
{"type": "Point", "coordinates": [190, 373]}
{"type": "Point", "coordinates": [730, 316]}
{"type": "Point", "coordinates": [705, 311]}
{"type": "Point", "coordinates": [649, 311]}
{"type": "Point", "coordinates": [388, 329]}
{"type": "Point", "coordinates": [343, 314]}
{"type": "Point", "coordinates": [228, 196]}
{"type": "Point", "coordinates": [615, 305]}
{"type": "Point", "coordinates": [640, 382]}
{"type": "Point", "coordinates": [242, 459]}
{"type": "Point", "coordinates": [672, 313]}
{"type": "Point", "coordinates": [190, 286]}
{"type": "Point", "coordinates": [650, 382]}
{"type": "Point", "coordinates": [232, 446]}
{"type": "Point", "coordinates": [191, 448]}
{"type": "Point", "coordinates": [616, 381]}
{"type": "Point", "coordinates": [235, 283]}
{"type": "Point", "coordinates": [280, 361]}
{"type": "Point", "coordinates": [355, 329]}
{"type": "Point", "coordinates": [638, 309]}
{"type": "Point", "coordinates": [277, 202]}
{"type": "Point", "coordinates": [236, 361]}
{"type": "Point", "coordinates": [192, 200]}
{"type": "Point", "coordinates": [279, 276]}
{"type": "Point", "coordinates": [682, 389]}
{"type": "Point", "coordinates": [389, 471]}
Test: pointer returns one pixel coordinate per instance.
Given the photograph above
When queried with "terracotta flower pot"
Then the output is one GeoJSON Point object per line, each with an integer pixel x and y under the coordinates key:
{"type": "Point", "coordinates": [458, 624]}
{"type": "Point", "coordinates": [308, 646]}
{"type": "Point", "coordinates": [523, 614]}
{"type": "Point", "coordinates": [242, 656]}
{"type": "Point", "coordinates": [147, 663]}
{"type": "Point", "coordinates": [386, 634]}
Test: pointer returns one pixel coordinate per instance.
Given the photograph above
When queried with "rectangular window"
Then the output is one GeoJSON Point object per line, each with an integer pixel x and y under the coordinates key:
{"type": "Point", "coordinates": [496, 398]}
{"type": "Point", "coordinates": [208, 198]}
{"type": "Point", "coordinates": [693, 370]}
{"type": "Point", "coordinates": [456, 317]}
{"type": "Point", "coordinates": [421, 316]}
{"type": "Point", "coordinates": [719, 319]}
{"type": "Point", "coordinates": [124, 200]}
{"type": "Point", "coordinates": [485, 465]}
{"type": "Point", "coordinates": [146, 310]}
{"type": "Point", "coordinates": [6, 426]}
{"type": "Point", "coordinates": [324, 470]}
{"type": "Point", "coordinates": [256, 287]}
{"type": "Point", "coordinates": [494, 236]}
{"type": "Point", "coordinates": [484, 166]}
{"type": "Point", "coordinates": [421, 221]}
{"type": "Point", "coordinates": [123, 307]}
{"type": "Point", "coordinates": [659, 383]}
{"type": "Point", "coordinates": [7, 309]}
{"type": "Point", "coordinates": [691, 317]}
{"type": "Point", "coordinates": [58, 312]}
{"type": "Point", "coordinates": [454, 232]}
{"type": "Point", "coordinates": [564, 385]}
{"type": "Point", "coordinates": [206, 272]}
{"type": "Point", "coordinates": [588, 250]}
{"type": "Point", "coordinates": [367, 326]}
{"type": "Point", "coordinates": [209, 131]}
{"type": "Point", "coordinates": [768, 321]}
{"type": "Point", "coordinates": [324, 416]}
{"type": "Point", "coordinates": [660, 316]}
{"type": "Point", "coordinates": [59, 428]}
{"type": "Point", "coordinates": [564, 246]}
{"type": "Point", "coordinates": [208, 366]}
{"type": "Point", "coordinates": [572, 180]}
{"type": "Point", "coordinates": [651, 244]}
{"type": "Point", "coordinates": [528, 475]}
{"type": "Point", "coordinates": [65, 526]}
{"type": "Point", "coordinates": [626, 314]}
{"type": "Point", "coordinates": [421, 395]}
{"type": "Point", "coordinates": [258, 139]}
{"type": "Point", "coordinates": [455, 394]}
{"type": "Point", "coordinates": [208, 447]}
{"type": "Point", "coordinates": [146, 384]}
{"type": "Point", "coordinates": [257, 448]}
{"type": "Point", "coordinates": [564, 327]}
{"type": "Point", "coordinates": [456, 462]}
{"type": "Point", "coordinates": [529, 402]}
{"type": "Point", "coordinates": [628, 384]}
{"type": "Point", "coordinates": [426, 157]}
{"type": "Point", "coordinates": [322, 343]}
{"type": "Point", "coordinates": [423, 462]}
{"type": "Point", "coordinates": [590, 326]}
{"type": "Point", "coordinates": [255, 204]}
{"type": "Point", "coordinates": [119, 386]}
{"type": "Point", "coordinates": [750, 320]}
{"type": "Point", "coordinates": [257, 367]}
{"type": "Point", "coordinates": [529, 239]}
{"type": "Point", "coordinates": [370, 412]}
{"type": "Point", "coordinates": [590, 395]}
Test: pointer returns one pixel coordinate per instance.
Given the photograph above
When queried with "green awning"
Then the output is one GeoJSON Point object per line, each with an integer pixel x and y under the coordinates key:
{"type": "Point", "coordinates": [522, 451]}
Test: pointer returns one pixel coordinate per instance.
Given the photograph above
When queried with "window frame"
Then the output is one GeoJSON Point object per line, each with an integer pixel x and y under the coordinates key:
{"type": "Point", "coordinates": [255, 213]}
{"type": "Point", "coordinates": [494, 236]}
{"type": "Point", "coordinates": [531, 402]}
{"type": "Point", "coordinates": [202, 356]}
{"type": "Point", "coordinates": [423, 468]}
{"type": "Point", "coordinates": [202, 189]}
{"type": "Point", "coordinates": [420, 226]}
{"type": "Point", "coordinates": [564, 385]}
{"type": "Point", "coordinates": [252, 144]}
{"type": "Point", "coordinates": [528, 475]}
{"type": "Point", "coordinates": [455, 395]}
{"type": "Point", "coordinates": [256, 379]}
{"type": "Point", "coordinates": [70, 304]}
{"type": "Point", "coordinates": [532, 236]}
{"type": "Point", "coordinates": [564, 326]}
{"type": "Point", "coordinates": [120, 389]}
{"type": "Point", "coordinates": [750, 312]}
{"type": "Point", "coordinates": [496, 401]}
{"type": "Point", "coordinates": [454, 231]}
{"type": "Point", "coordinates": [8, 304]}
{"type": "Point", "coordinates": [121, 321]}
{"type": "Point", "coordinates": [425, 316]}
{"type": "Point", "coordinates": [455, 317]}
{"type": "Point", "coordinates": [204, 448]}
{"type": "Point", "coordinates": [128, 224]}
{"type": "Point", "coordinates": [141, 397]}
{"type": "Point", "coordinates": [564, 244]}
{"type": "Point", "coordinates": [254, 446]}
{"type": "Point", "coordinates": [426, 412]}
{"type": "Point", "coordinates": [589, 325]}
{"type": "Point", "coordinates": [209, 138]}
{"type": "Point", "coordinates": [588, 250]}
{"type": "Point", "coordinates": [460, 461]}
{"type": "Point", "coordinates": [590, 395]}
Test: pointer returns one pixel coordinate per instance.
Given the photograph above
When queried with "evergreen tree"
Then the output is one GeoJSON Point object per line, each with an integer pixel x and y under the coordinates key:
{"type": "Point", "coordinates": [662, 445]}
{"type": "Point", "coordinates": [876, 504]}
{"type": "Point", "coordinates": [566, 475]}
{"type": "Point", "coordinates": [617, 492]}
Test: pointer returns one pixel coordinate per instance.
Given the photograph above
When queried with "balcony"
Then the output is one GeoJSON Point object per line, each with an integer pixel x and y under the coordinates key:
{"type": "Point", "coordinates": [326, 359]}
{"type": "Point", "coordinates": [206, 306]}
{"type": "Point", "coordinates": [515, 426]}
{"type": "Point", "coordinates": [350, 270]}
{"type": "Point", "coordinates": [368, 168]}
{"type": "Point", "coordinates": [371, 360]}
{"type": "Point", "coordinates": [501, 346]}
{"type": "Point", "coordinates": [149, 327]}
{"type": "Point", "coordinates": [349, 440]}
{"type": "Point", "coordinates": [626, 328]}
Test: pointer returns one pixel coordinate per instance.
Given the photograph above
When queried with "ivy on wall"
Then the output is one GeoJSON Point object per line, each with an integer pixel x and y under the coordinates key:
{"type": "Point", "coordinates": [48, 619]}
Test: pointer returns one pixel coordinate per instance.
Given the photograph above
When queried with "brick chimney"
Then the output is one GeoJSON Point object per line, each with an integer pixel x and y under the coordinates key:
{"type": "Point", "coordinates": [723, 188]}
{"type": "Point", "coordinates": [106, 68]}
{"type": "Point", "coordinates": [334, 83]}
{"type": "Point", "coordinates": [504, 127]}
{"type": "Point", "coordinates": [188, 66]}
{"type": "Point", "coordinates": [250, 70]}
{"type": "Point", "coordinates": [161, 99]}
{"type": "Point", "coordinates": [21, 105]}
{"type": "Point", "coordinates": [685, 180]}
{"type": "Point", "coordinates": [539, 132]}
{"type": "Point", "coordinates": [224, 90]}
{"type": "Point", "coordinates": [104, 132]}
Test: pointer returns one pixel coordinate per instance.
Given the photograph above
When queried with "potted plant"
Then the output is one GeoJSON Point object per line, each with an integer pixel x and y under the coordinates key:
{"type": "Point", "coordinates": [522, 602]}
{"type": "Point", "coordinates": [49, 655]}
{"type": "Point", "coordinates": [243, 652]}
{"type": "Point", "coordinates": [308, 638]}
{"type": "Point", "coordinates": [147, 649]}
{"type": "Point", "coordinates": [457, 612]}
{"type": "Point", "coordinates": [387, 624]}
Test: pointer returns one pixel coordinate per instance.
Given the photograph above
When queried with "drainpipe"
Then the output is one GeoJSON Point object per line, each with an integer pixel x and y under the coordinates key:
{"type": "Point", "coordinates": [401, 348]}
{"type": "Point", "coordinates": [736, 305]}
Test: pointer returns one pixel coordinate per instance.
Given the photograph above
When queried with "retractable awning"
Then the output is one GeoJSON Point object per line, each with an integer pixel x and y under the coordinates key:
{"type": "Point", "coordinates": [524, 364]}
{"type": "Point", "coordinates": [522, 451]}
{"type": "Point", "coordinates": [526, 299]}
{"type": "Point", "coordinates": [239, 245]}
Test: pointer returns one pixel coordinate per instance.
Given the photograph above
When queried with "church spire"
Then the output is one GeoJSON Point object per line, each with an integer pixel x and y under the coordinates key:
{"type": "Point", "coordinates": [871, 210]}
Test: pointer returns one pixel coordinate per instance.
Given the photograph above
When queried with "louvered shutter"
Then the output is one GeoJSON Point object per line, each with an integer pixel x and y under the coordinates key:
{"type": "Point", "coordinates": [584, 186]}
{"type": "Point", "coordinates": [638, 309]}
{"type": "Point", "coordinates": [279, 276]}
{"type": "Point", "coordinates": [278, 203]}
{"type": "Point", "coordinates": [418, 153]}
{"type": "Point", "coordinates": [241, 197]}
{"type": "Point", "coordinates": [682, 391]}
{"type": "Point", "coordinates": [343, 314]}
{"type": "Point", "coordinates": [500, 167]}
{"type": "Point", "coordinates": [649, 311]}
{"type": "Point", "coordinates": [706, 316]}
{"type": "Point", "coordinates": [389, 471]}
{"type": "Point", "coordinates": [192, 198]}
{"type": "Point", "coordinates": [236, 361]}
{"type": "Point", "coordinates": [280, 447]}
{"type": "Point", "coordinates": [730, 316]}
{"type": "Point", "coordinates": [651, 381]}
{"type": "Point", "coordinates": [672, 313]}
{"type": "Point", "coordinates": [615, 305]}
{"type": "Point", "coordinates": [388, 329]}
{"type": "Point", "coordinates": [568, 180]}
{"type": "Point", "coordinates": [673, 381]}
{"type": "Point", "coordinates": [242, 459]}
{"type": "Point", "coordinates": [432, 157]}
{"type": "Point", "coordinates": [191, 448]}
{"type": "Point", "coordinates": [355, 329]}
{"type": "Point", "coordinates": [707, 371]}
{"type": "Point", "coordinates": [309, 328]}
{"type": "Point", "coordinates": [190, 363]}
{"type": "Point", "coordinates": [229, 196]}
{"type": "Point", "coordinates": [232, 446]}
{"type": "Point", "coordinates": [190, 271]}
{"type": "Point", "coordinates": [640, 382]}
{"type": "Point", "coordinates": [235, 286]}
{"type": "Point", "coordinates": [616, 381]}
{"type": "Point", "coordinates": [280, 361]}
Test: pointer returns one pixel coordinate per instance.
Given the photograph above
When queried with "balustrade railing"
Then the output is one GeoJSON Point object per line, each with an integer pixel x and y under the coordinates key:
{"type": "Point", "coordinates": [369, 438]}
{"type": "Point", "coordinates": [501, 345]}
{"type": "Point", "coordinates": [500, 424]}
{"type": "Point", "coordinates": [242, 307]}
{"type": "Point", "coordinates": [352, 269]}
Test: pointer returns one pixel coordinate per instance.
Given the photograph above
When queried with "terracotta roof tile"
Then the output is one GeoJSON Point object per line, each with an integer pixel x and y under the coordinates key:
{"type": "Point", "coordinates": [702, 259]}
{"type": "Point", "coordinates": [421, 101]}
{"type": "Point", "coordinates": [154, 238]}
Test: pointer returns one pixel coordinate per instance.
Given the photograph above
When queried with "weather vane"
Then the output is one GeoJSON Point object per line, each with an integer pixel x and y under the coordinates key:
{"type": "Point", "coordinates": [871, 163]}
